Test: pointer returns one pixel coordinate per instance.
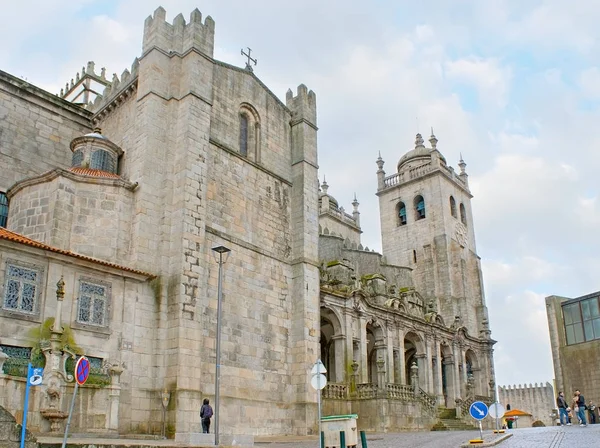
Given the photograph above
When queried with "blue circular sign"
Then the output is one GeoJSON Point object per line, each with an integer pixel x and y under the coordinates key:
{"type": "Point", "coordinates": [478, 410]}
{"type": "Point", "coordinates": [82, 370]}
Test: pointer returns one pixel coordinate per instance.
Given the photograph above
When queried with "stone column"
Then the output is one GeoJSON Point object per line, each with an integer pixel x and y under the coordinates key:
{"type": "Point", "coordinates": [380, 373]}
{"type": "Point", "coordinates": [349, 342]}
{"type": "Point", "coordinates": [364, 360]}
{"type": "Point", "coordinates": [401, 359]}
{"type": "Point", "coordinates": [114, 392]}
{"type": "Point", "coordinates": [414, 377]}
{"type": "Point", "coordinates": [340, 366]}
{"type": "Point", "coordinates": [429, 362]}
{"type": "Point", "coordinates": [423, 369]}
{"type": "Point", "coordinates": [451, 391]}
{"type": "Point", "coordinates": [439, 392]}
{"type": "Point", "coordinates": [390, 354]}
{"type": "Point", "coordinates": [457, 380]}
{"type": "Point", "coordinates": [354, 377]}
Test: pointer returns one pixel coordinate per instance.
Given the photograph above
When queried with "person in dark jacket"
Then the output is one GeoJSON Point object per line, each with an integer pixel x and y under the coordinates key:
{"type": "Point", "coordinates": [581, 408]}
{"type": "Point", "coordinates": [206, 413]}
{"type": "Point", "coordinates": [561, 403]}
{"type": "Point", "coordinates": [592, 412]}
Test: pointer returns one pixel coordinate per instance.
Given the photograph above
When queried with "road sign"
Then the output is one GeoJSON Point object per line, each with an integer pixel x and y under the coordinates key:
{"type": "Point", "coordinates": [496, 410]}
{"type": "Point", "coordinates": [318, 368]}
{"type": "Point", "coordinates": [35, 376]}
{"type": "Point", "coordinates": [318, 382]}
{"type": "Point", "coordinates": [82, 370]}
{"type": "Point", "coordinates": [478, 410]}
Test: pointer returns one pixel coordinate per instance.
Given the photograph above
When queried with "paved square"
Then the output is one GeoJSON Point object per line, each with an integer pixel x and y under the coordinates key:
{"type": "Point", "coordinates": [548, 437]}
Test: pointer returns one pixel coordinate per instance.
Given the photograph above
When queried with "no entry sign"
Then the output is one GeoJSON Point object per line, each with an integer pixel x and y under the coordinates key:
{"type": "Point", "coordinates": [82, 370]}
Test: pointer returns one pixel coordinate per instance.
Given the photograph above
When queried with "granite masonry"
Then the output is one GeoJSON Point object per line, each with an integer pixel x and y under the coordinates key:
{"type": "Point", "coordinates": [118, 189]}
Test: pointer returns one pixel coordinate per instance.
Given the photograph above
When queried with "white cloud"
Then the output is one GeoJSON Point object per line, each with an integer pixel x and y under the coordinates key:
{"type": "Point", "coordinates": [589, 81]}
{"type": "Point", "coordinates": [491, 79]}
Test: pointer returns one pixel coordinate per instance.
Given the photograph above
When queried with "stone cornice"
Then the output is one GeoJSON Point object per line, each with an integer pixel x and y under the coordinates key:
{"type": "Point", "coordinates": [53, 174]}
{"type": "Point", "coordinates": [24, 89]}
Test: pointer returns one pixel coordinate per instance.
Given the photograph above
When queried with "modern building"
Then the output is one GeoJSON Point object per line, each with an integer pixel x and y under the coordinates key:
{"type": "Point", "coordinates": [113, 195]}
{"type": "Point", "coordinates": [574, 326]}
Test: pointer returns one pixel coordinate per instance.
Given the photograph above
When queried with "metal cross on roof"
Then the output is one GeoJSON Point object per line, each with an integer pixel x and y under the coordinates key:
{"type": "Point", "coordinates": [248, 65]}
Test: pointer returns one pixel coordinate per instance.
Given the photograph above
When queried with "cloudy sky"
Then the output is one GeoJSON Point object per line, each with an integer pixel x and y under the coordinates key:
{"type": "Point", "coordinates": [513, 85]}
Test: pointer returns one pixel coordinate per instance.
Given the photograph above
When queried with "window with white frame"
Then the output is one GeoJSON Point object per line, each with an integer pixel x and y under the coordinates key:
{"type": "Point", "coordinates": [21, 288]}
{"type": "Point", "coordinates": [93, 303]}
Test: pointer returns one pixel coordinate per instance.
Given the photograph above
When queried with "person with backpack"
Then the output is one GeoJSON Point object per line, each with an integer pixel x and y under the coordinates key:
{"type": "Point", "coordinates": [206, 413]}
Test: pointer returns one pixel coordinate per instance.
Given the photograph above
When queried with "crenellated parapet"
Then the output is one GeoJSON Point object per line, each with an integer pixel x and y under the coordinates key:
{"type": "Point", "coordinates": [303, 106]}
{"type": "Point", "coordinates": [179, 36]}
{"type": "Point", "coordinates": [86, 86]}
{"type": "Point", "coordinates": [116, 91]}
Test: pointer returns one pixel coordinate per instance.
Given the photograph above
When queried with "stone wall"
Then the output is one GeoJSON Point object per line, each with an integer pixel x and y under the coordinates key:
{"type": "Point", "coordinates": [363, 262]}
{"type": "Point", "coordinates": [89, 216]}
{"type": "Point", "coordinates": [10, 432]}
{"type": "Point", "coordinates": [128, 339]}
{"type": "Point", "coordinates": [381, 415]}
{"type": "Point", "coordinates": [539, 401]}
{"type": "Point", "coordinates": [37, 128]}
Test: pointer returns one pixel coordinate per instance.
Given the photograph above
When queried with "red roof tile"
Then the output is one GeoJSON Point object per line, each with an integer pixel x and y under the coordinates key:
{"type": "Point", "coordinates": [17, 238]}
{"type": "Point", "coordinates": [93, 173]}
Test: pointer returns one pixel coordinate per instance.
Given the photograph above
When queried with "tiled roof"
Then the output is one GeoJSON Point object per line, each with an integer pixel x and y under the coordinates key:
{"type": "Point", "coordinates": [17, 238]}
{"type": "Point", "coordinates": [93, 173]}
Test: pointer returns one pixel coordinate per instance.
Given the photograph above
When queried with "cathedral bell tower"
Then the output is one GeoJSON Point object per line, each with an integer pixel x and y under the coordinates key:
{"type": "Point", "coordinates": [427, 225]}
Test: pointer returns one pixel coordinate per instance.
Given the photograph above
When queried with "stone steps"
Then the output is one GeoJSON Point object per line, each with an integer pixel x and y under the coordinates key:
{"type": "Point", "coordinates": [444, 424]}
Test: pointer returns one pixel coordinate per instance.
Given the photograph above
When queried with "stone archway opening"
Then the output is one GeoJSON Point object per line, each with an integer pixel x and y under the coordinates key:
{"type": "Point", "coordinates": [414, 352]}
{"type": "Point", "coordinates": [332, 346]}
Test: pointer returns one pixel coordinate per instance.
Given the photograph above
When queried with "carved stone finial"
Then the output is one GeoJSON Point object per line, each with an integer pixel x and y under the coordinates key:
{"type": "Point", "coordinates": [462, 165]}
{"type": "Point", "coordinates": [60, 289]}
{"type": "Point", "coordinates": [419, 141]}
{"type": "Point", "coordinates": [433, 140]}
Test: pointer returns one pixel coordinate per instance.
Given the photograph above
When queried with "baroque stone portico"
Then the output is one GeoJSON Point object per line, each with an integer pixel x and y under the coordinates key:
{"type": "Point", "coordinates": [113, 194]}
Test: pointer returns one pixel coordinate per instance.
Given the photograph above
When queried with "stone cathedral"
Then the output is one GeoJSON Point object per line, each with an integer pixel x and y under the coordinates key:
{"type": "Point", "coordinates": [113, 195]}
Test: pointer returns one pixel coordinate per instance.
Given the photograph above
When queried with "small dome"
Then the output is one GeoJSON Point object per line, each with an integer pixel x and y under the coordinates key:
{"type": "Point", "coordinates": [96, 135]}
{"type": "Point", "coordinates": [419, 152]}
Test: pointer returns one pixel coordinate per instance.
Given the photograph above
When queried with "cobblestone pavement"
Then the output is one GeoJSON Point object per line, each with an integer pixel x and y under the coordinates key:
{"type": "Point", "coordinates": [551, 437]}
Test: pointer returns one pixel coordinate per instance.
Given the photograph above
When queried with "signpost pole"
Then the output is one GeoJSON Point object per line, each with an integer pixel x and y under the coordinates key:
{"type": "Point", "coordinates": [319, 381]}
{"type": "Point", "coordinates": [82, 373]}
{"type": "Point", "coordinates": [64, 442]}
{"type": "Point", "coordinates": [319, 401]}
{"type": "Point", "coordinates": [480, 431]}
{"type": "Point", "coordinates": [25, 407]}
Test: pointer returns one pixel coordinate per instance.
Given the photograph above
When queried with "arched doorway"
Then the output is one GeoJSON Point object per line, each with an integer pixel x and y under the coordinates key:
{"type": "Point", "coordinates": [332, 347]}
{"type": "Point", "coordinates": [473, 371]}
{"type": "Point", "coordinates": [447, 375]}
{"type": "Point", "coordinates": [375, 350]}
{"type": "Point", "coordinates": [414, 353]}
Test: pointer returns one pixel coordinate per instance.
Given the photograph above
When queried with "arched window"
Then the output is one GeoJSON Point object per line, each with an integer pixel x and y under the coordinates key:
{"type": "Point", "coordinates": [420, 207]}
{"type": "Point", "coordinates": [249, 132]}
{"type": "Point", "coordinates": [102, 160]}
{"type": "Point", "coordinates": [401, 212]}
{"type": "Point", "coordinates": [463, 214]}
{"type": "Point", "coordinates": [452, 206]}
{"type": "Point", "coordinates": [3, 209]}
{"type": "Point", "coordinates": [244, 134]}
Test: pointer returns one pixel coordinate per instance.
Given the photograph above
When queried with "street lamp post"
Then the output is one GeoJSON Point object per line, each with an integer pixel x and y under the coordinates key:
{"type": "Point", "coordinates": [221, 254]}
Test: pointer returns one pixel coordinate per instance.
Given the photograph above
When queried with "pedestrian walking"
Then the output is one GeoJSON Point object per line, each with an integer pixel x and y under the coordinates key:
{"type": "Point", "coordinates": [206, 413]}
{"type": "Point", "coordinates": [561, 403]}
{"type": "Point", "coordinates": [581, 408]}
{"type": "Point", "coordinates": [592, 412]}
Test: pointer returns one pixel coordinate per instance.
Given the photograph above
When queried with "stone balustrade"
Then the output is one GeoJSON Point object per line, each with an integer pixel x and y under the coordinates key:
{"type": "Point", "coordinates": [336, 391]}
